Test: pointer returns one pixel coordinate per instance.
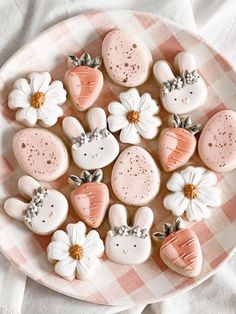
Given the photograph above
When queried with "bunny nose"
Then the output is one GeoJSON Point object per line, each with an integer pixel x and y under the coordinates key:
{"type": "Point", "coordinates": [96, 156]}
{"type": "Point", "coordinates": [126, 252]}
{"type": "Point", "coordinates": [185, 100]}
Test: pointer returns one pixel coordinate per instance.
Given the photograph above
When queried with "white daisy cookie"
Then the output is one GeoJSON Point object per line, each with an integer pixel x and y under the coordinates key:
{"type": "Point", "coordinates": [194, 190]}
{"type": "Point", "coordinates": [37, 98]}
{"type": "Point", "coordinates": [74, 253]}
{"type": "Point", "coordinates": [135, 116]}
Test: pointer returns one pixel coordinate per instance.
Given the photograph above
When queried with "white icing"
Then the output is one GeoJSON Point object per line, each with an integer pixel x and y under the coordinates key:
{"type": "Point", "coordinates": [95, 149]}
{"type": "Point", "coordinates": [132, 245]}
{"type": "Point", "coordinates": [208, 193]}
{"type": "Point", "coordinates": [44, 210]}
{"type": "Point", "coordinates": [20, 99]}
{"type": "Point", "coordinates": [183, 93]}
{"type": "Point", "coordinates": [145, 106]}
{"type": "Point", "coordinates": [65, 265]}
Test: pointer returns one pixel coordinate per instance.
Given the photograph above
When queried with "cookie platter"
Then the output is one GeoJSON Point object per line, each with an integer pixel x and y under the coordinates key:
{"type": "Point", "coordinates": [98, 153]}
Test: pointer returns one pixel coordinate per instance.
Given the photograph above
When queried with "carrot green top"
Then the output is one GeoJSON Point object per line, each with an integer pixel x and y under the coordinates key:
{"type": "Point", "coordinates": [169, 228]}
{"type": "Point", "coordinates": [86, 176]}
{"type": "Point", "coordinates": [85, 59]}
{"type": "Point", "coordinates": [185, 123]}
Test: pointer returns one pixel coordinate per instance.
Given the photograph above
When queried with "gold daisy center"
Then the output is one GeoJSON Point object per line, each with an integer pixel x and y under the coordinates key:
{"type": "Point", "coordinates": [133, 116]}
{"type": "Point", "coordinates": [37, 100]}
{"type": "Point", "coordinates": [76, 251]}
{"type": "Point", "coordinates": [190, 191]}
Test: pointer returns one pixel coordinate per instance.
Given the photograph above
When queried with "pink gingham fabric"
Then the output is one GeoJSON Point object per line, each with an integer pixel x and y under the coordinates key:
{"type": "Point", "coordinates": [117, 284]}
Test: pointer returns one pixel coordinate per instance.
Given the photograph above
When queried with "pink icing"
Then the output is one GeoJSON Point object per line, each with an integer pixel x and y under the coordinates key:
{"type": "Point", "coordinates": [217, 143]}
{"type": "Point", "coordinates": [126, 58]}
{"type": "Point", "coordinates": [40, 153]}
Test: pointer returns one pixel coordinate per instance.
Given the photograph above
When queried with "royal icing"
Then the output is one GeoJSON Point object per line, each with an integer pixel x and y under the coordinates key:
{"type": "Point", "coordinates": [95, 149]}
{"type": "Point", "coordinates": [134, 116]}
{"type": "Point", "coordinates": [74, 253]}
{"type": "Point", "coordinates": [182, 93]}
{"type": "Point", "coordinates": [84, 80]}
{"type": "Point", "coordinates": [40, 153]}
{"type": "Point", "coordinates": [177, 144]}
{"type": "Point", "coordinates": [90, 198]}
{"type": "Point", "coordinates": [127, 59]}
{"type": "Point", "coordinates": [43, 210]}
{"type": "Point", "coordinates": [180, 250]}
{"type": "Point", "coordinates": [194, 190]}
{"type": "Point", "coordinates": [135, 164]}
{"type": "Point", "coordinates": [36, 99]}
{"type": "Point", "coordinates": [217, 143]}
{"type": "Point", "coordinates": [129, 245]}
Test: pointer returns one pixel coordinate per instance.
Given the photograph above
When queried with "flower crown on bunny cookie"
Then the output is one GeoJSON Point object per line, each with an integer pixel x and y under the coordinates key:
{"type": "Point", "coordinates": [182, 93]}
{"type": "Point", "coordinates": [44, 210]}
{"type": "Point", "coordinates": [125, 244]}
{"type": "Point", "coordinates": [94, 149]}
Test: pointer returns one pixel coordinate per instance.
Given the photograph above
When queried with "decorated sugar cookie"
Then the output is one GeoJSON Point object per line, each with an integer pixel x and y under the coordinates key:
{"type": "Point", "coordinates": [135, 177]}
{"type": "Point", "coordinates": [217, 143]}
{"type": "Point", "coordinates": [90, 198]}
{"type": "Point", "coordinates": [40, 153]}
{"type": "Point", "coordinates": [43, 210]}
{"type": "Point", "coordinates": [185, 92]}
{"type": "Point", "coordinates": [180, 249]}
{"type": "Point", "coordinates": [74, 253]}
{"type": "Point", "coordinates": [37, 99]}
{"type": "Point", "coordinates": [129, 245]}
{"type": "Point", "coordinates": [84, 80]}
{"type": "Point", "coordinates": [177, 144]}
{"type": "Point", "coordinates": [134, 116]}
{"type": "Point", "coordinates": [127, 59]}
{"type": "Point", "coordinates": [194, 190]}
{"type": "Point", "coordinates": [95, 149]}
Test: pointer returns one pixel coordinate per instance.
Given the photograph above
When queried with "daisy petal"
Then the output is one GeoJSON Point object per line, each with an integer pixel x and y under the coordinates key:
{"type": "Point", "coordinates": [55, 94]}
{"type": "Point", "coordinates": [66, 268]}
{"type": "Point", "coordinates": [87, 266]}
{"type": "Point", "coordinates": [57, 250]}
{"type": "Point", "coordinates": [176, 202]}
{"type": "Point", "coordinates": [208, 179]}
{"type": "Point", "coordinates": [117, 122]}
{"type": "Point", "coordinates": [147, 105]}
{"type": "Point", "coordinates": [192, 175]}
{"type": "Point", "coordinates": [39, 81]}
{"type": "Point", "coordinates": [176, 183]}
{"type": "Point", "coordinates": [148, 134]}
{"type": "Point", "coordinates": [76, 233]}
{"type": "Point", "coordinates": [129, 134]}
{"type": "Point", "coordinates": [18, 99]}
{"type": "Point", "coordinates": [147, 122]}
{"type": "Point", "coordinates": [61, 236]}
{"type": "Point", "coordinates": [49, 114]}
{"type": "Point", "coordinates": [210, 196]}
{"type": "Point", "coordinates": [117, 108]}
{"type": "Point", "coordinates": [197, 210]}
{"type": "Point", "coordinates": [27, 115]}
{"type": "Point", "coordinates": [130, 99]}
{"type": "Point", "coordinates": [23, 85]}
{"type": "Point", "coordinates": [93, 245]}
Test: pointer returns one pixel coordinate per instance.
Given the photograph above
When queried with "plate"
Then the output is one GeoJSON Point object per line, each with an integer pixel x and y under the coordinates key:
{"type": "Point", "coordinates": [117, 284]}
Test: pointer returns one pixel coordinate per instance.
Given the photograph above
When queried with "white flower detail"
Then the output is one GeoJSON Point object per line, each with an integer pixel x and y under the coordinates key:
{"type": "Point", "coordinates": [36, 99]}
{"type": "Point", "coordinates": [75, 254]}
{"type": "Point", "coordinates": [134, 116]}
{"type": "Point", "coordinates": [195, 191]}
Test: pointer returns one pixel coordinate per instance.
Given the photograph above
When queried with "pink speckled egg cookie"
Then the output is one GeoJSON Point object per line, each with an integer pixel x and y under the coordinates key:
{"type": "Point", "coordinates": [127, 59]}
{"type": "Point", "coordinates": [135, 177]}
{"type": "Point", "coordinates": [217, 143]}
{"type": "Point", "coordinates": [40, 153]}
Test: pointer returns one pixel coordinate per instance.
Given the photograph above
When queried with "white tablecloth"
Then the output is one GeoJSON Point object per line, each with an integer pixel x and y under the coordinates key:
{"type": "Point", "coordinates": [20, 22]}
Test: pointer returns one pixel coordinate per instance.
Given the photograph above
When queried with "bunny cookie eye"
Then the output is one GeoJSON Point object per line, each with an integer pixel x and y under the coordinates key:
{"type": "Point", "coordinates": [117, 244]}
{"type": "Point", "coordinates": [175, 99]}
{"type": "Point", "coordinates": [101, 148]}
{"type": "Point", "coordinates": [191, 92]}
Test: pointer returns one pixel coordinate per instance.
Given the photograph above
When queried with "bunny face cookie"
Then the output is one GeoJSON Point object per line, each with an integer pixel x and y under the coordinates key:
{"type": "Point", "coordinates": [95, 149]}
{"type": "Point", "coordinates": [182, 93]}
{"type": "Point", "coordinates": [129, 245]}
{"type": "Point", "coordinates": [44, 210]}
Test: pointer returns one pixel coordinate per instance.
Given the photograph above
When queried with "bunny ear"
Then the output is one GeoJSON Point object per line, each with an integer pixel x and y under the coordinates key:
{"type": "Point", "coordinates": [26, 186]}
{"type": "Point", "coordinates": [144, 218]}
{"type": "Point", "coordinates": [72, 128]}
{"type": "Point", "coordinates": [97, 119]}
{"type": "Point", "coordinates": [162, 72]}
{"type": "Point", "coordinates": [15, 208]}
{"type": "Point", "coordinates": [117, 216]}
{"type": "Point", "coordinates": [185, 61]}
